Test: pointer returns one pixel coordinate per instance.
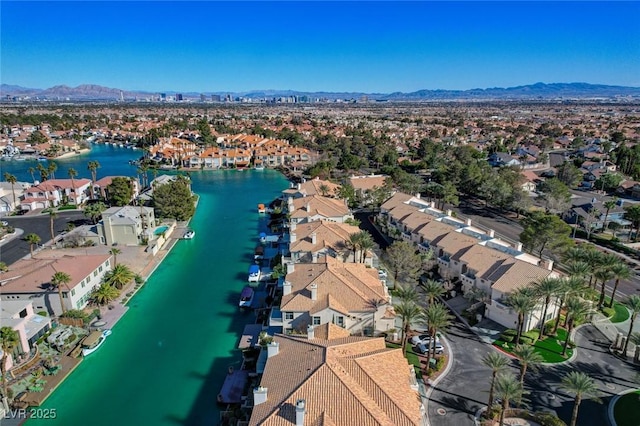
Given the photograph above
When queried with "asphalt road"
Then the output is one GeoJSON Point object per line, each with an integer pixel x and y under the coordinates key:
{"type": "Point", "coordinates": [40, 225]}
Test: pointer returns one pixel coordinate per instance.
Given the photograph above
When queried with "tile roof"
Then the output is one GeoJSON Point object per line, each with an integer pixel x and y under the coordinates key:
{"type": "Point", "coordinates": [454, 242]}
{"type": "Point", "coordinates": [434, 231]}
{"type": "Point", "coordinates": [480, 258]}
{"type": "Point", "coordinates": [319, 206]}
{"type": "Point", "coordinates": [417, 220]}
{"type": "Point", "coordinates": [346, 381]}
{"type": "Point", "coordinates": [514, 274]}
{"type": "Point", "coordinates": [397, 199]}
{"type": "Point", "coordinates": [366, 183]}
{"type": "Point", "coordinates": [398, 213]}
{"type": "Point", "coordinates": [328, 235]}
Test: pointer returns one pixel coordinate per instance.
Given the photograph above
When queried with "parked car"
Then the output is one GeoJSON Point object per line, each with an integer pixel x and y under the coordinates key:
{"type": "Point", "coordinates": [423, 338]}
{"type": "Point", "coordinates": [423, 348]}
{"type": "Point", "coordinates": [382, 273]}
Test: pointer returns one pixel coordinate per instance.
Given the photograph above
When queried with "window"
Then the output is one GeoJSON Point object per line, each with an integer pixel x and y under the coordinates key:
{"type": "Point", "coordinates": [82, 283]}
{"type": "Point", "coordinates": [340, 321]}
{"type": "Point", "coordinates": [95, 273]}
{"type": "Point", "coordinates": [100, 268]}
{"type": "Point", "coordinates": [316, 320]}
{"type": "Point", "coordinates": [288, 315]}
{"type": "Point", "coordinates": [73, 291]}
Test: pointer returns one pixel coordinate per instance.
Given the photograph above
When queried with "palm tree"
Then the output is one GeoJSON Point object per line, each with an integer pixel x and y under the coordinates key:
{"type": "Point", "coordinates": [324, 190]}
{"type": "Point", "coordinates": [546, 289]}
{"type": "Point", "coordinates": [44, 173]}
{"type": "Point", "coordinates": [497, 363]}
{"type": "Point", "coordinates": [366, 244]}
{"type": "Point", "coordinates": [353, 242]}
{"type": "Point", "coordinates": [438, 318]}
{"type": "Point", "coordinates": [94, 211]}
{"type": "Point", "coordinates": [608, 205]}
{"type": "Point", "coordinates": [527, 356]}
{"type": "Point", "coordinates": [52, 216]}
{"type": "Point", "coordinates": [72, 174]}
{"type": "Point", "coordinates": [374, 304]}
{"type": "Point", "coordinates": [8, 342]}
{"type": "Point", "coordinates": [572, 285]}
{"type": "Point", "coordinates": [115, 252]}
{"type": "Point", "coordinates": [522, 302]}
{"type": "Point", "coordinates": [119, 276]}
{"type": "Point", "coordinates": [408, 311]}
{"type": "Point", "coordinates": [633, 303]}
{"type": "Point", "coordinates": [433, 289]}
{"type": "Point", "coordinates": [407, 293]}
{"type": "Point", "coordinates": [57, 281]}
{"type": "Point", "coordinates": [581, 385]}
{"type": "Point", "coordinates": [577, 311]}
{"type": "Point", "coordinates": [620, 271]}
{"type": "Point", "coordinates": [603, 274]}
{"type": "Point", "coordinates": [51, 168]}
{"type": "Point", "coordinates": [32, 172]}
{"type": "Point", "coordinates": [104, 294]}
{"type": "Point", "coordinates": [33, 240]}
{"type": "Point", "coordinates": [508, 388]}
{"type": "Point", "coordinates": [93, 167]}
{"type": "Point", "coordinates": [12, 180]}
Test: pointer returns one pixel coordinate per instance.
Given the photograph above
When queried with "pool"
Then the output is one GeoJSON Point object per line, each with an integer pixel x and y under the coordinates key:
{"type": "Point", "coordinates": [160, 230]}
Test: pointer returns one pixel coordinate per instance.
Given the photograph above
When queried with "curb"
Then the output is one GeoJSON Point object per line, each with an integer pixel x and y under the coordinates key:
{"type": "Point", "coordinates": [612, 403]}
{"type": "Point", "coordinates": [434, 383]}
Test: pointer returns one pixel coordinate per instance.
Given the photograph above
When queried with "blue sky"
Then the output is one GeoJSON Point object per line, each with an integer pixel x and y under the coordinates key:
{"type": "Point", "coordinates": [318, 46]}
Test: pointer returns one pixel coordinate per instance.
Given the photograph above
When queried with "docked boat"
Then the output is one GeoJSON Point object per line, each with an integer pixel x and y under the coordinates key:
{"type": "Point", "coordinates": [262, 208]}
{"type": "Point", "coordinates": [254, 273]}
{"type": "Point", "coordinates": [93, 341]}
{"type": "Point", "coordinates": [189, 235]}
{"type": "Point", "coordinates": [246, 297]}
{"type": "Point", "coordinates": [258, 254]}
{"type": "Point", "coordinates": [259, 167]}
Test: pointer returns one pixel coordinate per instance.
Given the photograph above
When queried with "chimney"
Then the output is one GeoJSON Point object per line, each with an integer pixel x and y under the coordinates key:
{"type": "Point", "coordinates": [314, 257]}
{"type": "Point", "coordinates": [519, 246]}
{"type": "Point", "coordinates": [314, 291]}
{"type": "Point", "coordinates": [468, 222]}
{"type": "Point", "coordinates": [259, 395]}
{"type": "Point", "coordinates": [293, 226]}
{"type": "Point", "coordinates": [313, 238]}
{"type": "Point", "coordinates": [310, 332]}
{"type": "Point", "coordinates": [449, 212]}
{"type": "Point", "coordinates": [290, 267]}
{"type": "Point", "coordinates": [292, 237]}
{"type": "Point", "coordinates": [286, 288]}
{"type": "Point", "coordinates": [272, 349]}
{"type": "Point", "coordinates": [492, 233]}
{"type": "Point", "coordinates": [308, 207]}
{"type": "Point", "coordinates": [300, 412]}
{"type": "Point", "coordinates": [299, 187]}
{"type": "Point", "coordinates": [546, 264]}
{"type": "Point", "coordinates": [290, 205]}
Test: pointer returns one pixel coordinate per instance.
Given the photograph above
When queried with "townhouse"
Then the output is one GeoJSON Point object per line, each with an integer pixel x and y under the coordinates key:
{"type": "Point", "coordinates": [315, 186]}
{"type": "Point", "coordinates": [30, 280]}
{"type": "Point", "coordinates": [56, 192]}
{"type": "Point", "coordinates": [317, 207]}
{"type": "Point", "coordinates": [472, 257]}
{"type": "Point", "coordinates": [312, 241]}
{"type": "Point", "coordinates": [329, 377]}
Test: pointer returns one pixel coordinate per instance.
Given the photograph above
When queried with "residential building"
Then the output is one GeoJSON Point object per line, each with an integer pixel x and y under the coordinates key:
{"type": "Point", "coordinates": [317, 207]}
{"type": "Point", "coordinates": [125, 225]}
{"type": "Point", "coordinates": [365, 186]}
{"type": "Point", "coordinates": [311, 187]}
{"type": "Point", "coordinates": [327, 377]}
{"type": "Point", "coordinates": [30, 279]}
{"type": "Point", "coordinates": [312, 241]}
{"type": "Point", "coordinates": [10, 198]}
{"type": "Point", "coordinates": [30, 326]}
{"type": "Point", "coordinates": [336, 292]}
{"type": "Point", "coordinates": [56, 192]}
{"type": "Point", "coordinates": [100, 186]}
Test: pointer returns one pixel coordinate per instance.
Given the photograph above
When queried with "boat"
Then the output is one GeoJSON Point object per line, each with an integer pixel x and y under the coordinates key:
{"type": "Point", "coordinates": [189, 235]}
{"type": "Point", "coordinates": [258, 253]}
{"type": "Point", "coordinates": [262, 208]}
{"type": "Point", "coordinates": [93, 341]}
{"type": "Point", "coordinates": [246, 297]}
{"type": "Point", "coordinates": [259, 167]}
{"type": "Point", "coordinates": [254, 273]}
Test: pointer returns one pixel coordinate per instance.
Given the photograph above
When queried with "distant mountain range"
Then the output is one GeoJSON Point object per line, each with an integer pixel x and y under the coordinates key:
{"type": "Point", "coordinates": [529, 92]}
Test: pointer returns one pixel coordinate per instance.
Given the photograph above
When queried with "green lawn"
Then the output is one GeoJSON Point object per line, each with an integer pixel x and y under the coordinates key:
{"type": "Point", "coordinates": [550, 348]}
{"type": "Point", "coordinates": [627, 408]}
{"type": "Point", "coordinates": [622, 313]}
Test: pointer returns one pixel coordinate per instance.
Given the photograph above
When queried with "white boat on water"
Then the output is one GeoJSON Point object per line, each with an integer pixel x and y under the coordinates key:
{"type": "Point", "coordinates": [254, 273]}
{"type": "Point", "coordinates": [189, 235]}
{"type": "Point", "coordinates": [93, 341]}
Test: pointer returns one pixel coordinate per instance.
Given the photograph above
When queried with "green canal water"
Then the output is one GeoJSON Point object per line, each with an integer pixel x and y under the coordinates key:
{"type": "Point", "coordinates": [167, 357]}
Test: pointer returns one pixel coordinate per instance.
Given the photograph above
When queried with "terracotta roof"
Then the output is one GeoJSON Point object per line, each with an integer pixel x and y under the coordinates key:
{"type": "Point", "coordinates": [319, 206]}
{"type": "Point", "coordinates": [434, 231]}
{"type": "Point", "coordinates": [417, 220]}
{"type": "Point", "coordinates": [454, 242]}
{"type": "Point", "coordinates": [397, 199]}
{"type": "Point", "coordinates": [328, 235]}
{"type": "Point", "coordinates": [367, 183]}
{"type": "Point", "coordinates": [481, 259]}
{"type": "Point", "coordinates": [350, 381]}
{"type": "Point", "coordinates": [398, 213]}
{"type": "Point", "coordinates": [312, 187]}
{"type": "Point", "coordinates": [515, 274]}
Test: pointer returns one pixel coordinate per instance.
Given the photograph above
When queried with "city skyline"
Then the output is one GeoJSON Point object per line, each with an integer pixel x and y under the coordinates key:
{"type": "Point", "coordinates": [376, 47]}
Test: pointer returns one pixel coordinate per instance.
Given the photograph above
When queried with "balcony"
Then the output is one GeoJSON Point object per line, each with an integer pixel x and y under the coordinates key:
{"type": "Point", "coordinates": [424, 247]}
{"type": "Point", "coordinates": [406, 236]}
{"type": "Point", "coordinates": [468, 280]}
{"type": "Point", "coordinates": [500, 306]}
{"type": "Point", "coordinates": [444, 260]}
{"type": "Point", "coordinates": [275, 318]}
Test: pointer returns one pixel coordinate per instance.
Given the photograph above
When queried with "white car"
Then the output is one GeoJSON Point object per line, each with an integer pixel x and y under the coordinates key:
{"type": "Point", "coordinates": [424, 347]}
{"type": "Point", "coordinates": [423, 338]}
{"type": "Point", "coordinates": [382, 273]}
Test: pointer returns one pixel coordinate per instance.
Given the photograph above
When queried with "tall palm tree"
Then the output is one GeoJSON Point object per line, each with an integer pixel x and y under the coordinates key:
{"type": "Point", "coordinates": [12, 180]}
{"type": "Point", "coordinates": [438, 318]}
{"type": "Point", "coordinates": [497, 363]}
{"type": "Point", "coordinates": [508, 388]}
{"type": "Point", "coordinates": [633, 303]}
{"type": "Point", "coordinates": [546, 289]}
{"type": "Point", "coordinates": [115, 252]}
{"type": "Point", "coordinates": [366, 244]}
{"type": "Point", "coordinates": [104, 294]}
{"type": "Point", "coordinates": [407, 293]}
{"type": "Point", "coordinates": [608, 206]}
{"type": "Point", "coordinates": [603, 275]}
{"type": "Point", "coordinates": [119, 276]}
{"type": "Point", "coordinates": [94, 211]}
{"type": "Point", "coordinates": [577, 311]}
{"type": "Point", "coordinates": [353, 242]}
{"type": "Point", "coordinates": [33, 240]}
{"type": "Point", "coordinates": [620, 271]}
{"type": "Point", "coordinates": [522, 302]}
{"type": "Point", "coordinates": [57, 281]}
{"type": "Point", "coordinates": [572, 286]}
{"type": "Point", "coordinates": [324, 190]}
{"type": "Point", "coordinates": [408, 311]}
{"type": "Point", "coordinates": [32, 172]}
{"type": "Point", "coordinates": [44, 173]}
{"type": "Point", "coordinates": [580, 385]}
{"type": "Point", "coordinates": [528, 357]}
{"type": "Point", "coordinates": [51, 168]}
{"type": "Point", "coordinates": [52, 216]}
{"type": "Point", "coordinates": [93, 167]}
{"type": "Point", "coordinates": [72, 174]}
{"type": "Point", "coordinates": [8, 342]}
{"type": "Point", "coordinates": [432, 289]}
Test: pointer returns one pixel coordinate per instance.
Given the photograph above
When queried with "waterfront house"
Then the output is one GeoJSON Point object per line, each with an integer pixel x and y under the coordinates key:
{"type": "Point", "coordinates": [317, 207]}
{"type": "Point", "coordinates": [126, 225]}
{"type": "Point", "coordinates": [8, 195]}
{"type": "Point", "coordinates": [307, 188]}
{"type": "Point", "coordinates": [100, 187]}
{"type": "Point", "coordinates": [326, 377]}
{"type": "Point", "coordinates": [56, 192]}
{"type": "Point", "coordinates": [30, 326]}
{"type": "Point", "coordinates": [312, 241]}
{"type": "Point", "coordinates": [30, 279]}
{"type": "Point", "coordinates": [350, 295]}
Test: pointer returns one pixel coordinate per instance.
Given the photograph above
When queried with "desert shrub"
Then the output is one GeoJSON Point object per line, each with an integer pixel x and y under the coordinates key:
{"type": "Point", "coordinates": [546, 418]}
{"type": "Point", "coordinates": [509, 335]}
{"type": "Point", "coordinates": [608, 312]}
{"type": "Point", "coordinates": [74, 313]}
{"type": "Point", "coordinates": [530, 337]}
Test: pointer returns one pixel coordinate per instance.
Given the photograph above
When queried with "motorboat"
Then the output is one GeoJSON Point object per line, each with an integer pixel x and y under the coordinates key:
{"type": "Point", "coordinates": [93, 341]}
{"type": "Point", "coordinates": [246, 297]}
{"type": "Point", "coordinates": [254, 273]}
{"type": "Point", "coordinates": [262, 208]}
{"type": "Point", "coordinates": [258, 254]}
{"type": "Point", "coordinates": [189, 235]}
